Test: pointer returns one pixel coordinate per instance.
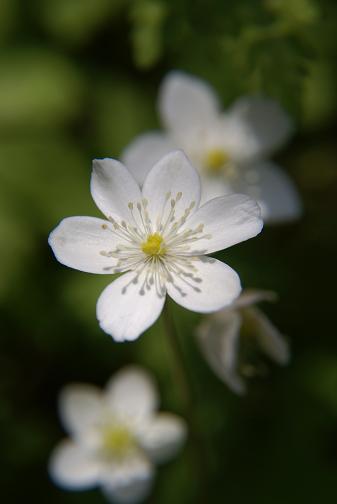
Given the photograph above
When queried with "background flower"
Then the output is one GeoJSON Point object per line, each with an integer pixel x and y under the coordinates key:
{"type": "Point", "coordinates": [116, 437]}
{"type": "Point", "coordinates": [230, 149]}
{"type": "Point", "coordinates": [221, 334]}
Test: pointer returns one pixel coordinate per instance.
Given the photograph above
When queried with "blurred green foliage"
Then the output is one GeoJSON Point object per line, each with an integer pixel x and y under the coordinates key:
{"type": "Point", "coordinates": [147, 22]}
{"type": "Point", "coordinates": [38, 89]}
{"type": "Point", "coordinates": [74, 22]}
{"type": "Point", "coordinates": [79, 79]}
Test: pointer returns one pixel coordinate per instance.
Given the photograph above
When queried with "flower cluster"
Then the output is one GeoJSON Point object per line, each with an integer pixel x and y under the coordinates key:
{"type": "Point", "coordinates": [180, 196]}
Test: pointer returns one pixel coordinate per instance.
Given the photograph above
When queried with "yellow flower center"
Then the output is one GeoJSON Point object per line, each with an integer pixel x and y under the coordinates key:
{"type": "Point", "coordinates": [154, 245]}
{"type": "Point", "coordinates": [215, 160]}
{"type": "Point", "coordinates": [117, 440]}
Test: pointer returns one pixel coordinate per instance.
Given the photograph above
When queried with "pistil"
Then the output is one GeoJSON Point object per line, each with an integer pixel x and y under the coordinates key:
{"type": "Point", "coordinates": [154, 245]}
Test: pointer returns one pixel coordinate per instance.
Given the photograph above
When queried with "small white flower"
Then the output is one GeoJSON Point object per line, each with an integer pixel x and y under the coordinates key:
{"type": "Point", "coordinates": [116, 437]}
{"type": "Point", "coordinates": [230, 149]}
{"type": "Point", "coordinates": [220, 337]}
{"type": "Point", "coordinates": [157, 237]}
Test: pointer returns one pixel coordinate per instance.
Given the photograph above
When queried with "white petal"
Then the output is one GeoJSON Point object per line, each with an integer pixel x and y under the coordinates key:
{"type": "Point", "coordinates": [275, 192]}
{"type": "Point", "coordinates": [219, 336]}
{"type": "Point", "coordinates": [162, 436]}
{"type": "Point", "coordinates": [131, 393]}
{"type": "Point", "coordinates": [227, 220]}
{"type": "Point", "coordinates": [172, 175]}
{"type": "Point", "coordinates": [129, 481]}
{"type": "Point", "coordinates": [271, 341]}
{"type": "Point", "coordinates": [213, 286]}
{"type": "Point", "coordinates": [144, 151]}
{"type": "Point", "coordinates": [186, 102]}
{"type": "Point", "coordinates": [77, 242]}
{"type": "Point", "coordinates": [113, 187]}
{"type": "Point", "coordinates": [125, 309]}
{"type": "Point", "coordinates": [80, 407]}
{"type": "Point", "coordinates": [265, 120]}
{"type": "Point", "coordinates": [72, 467]}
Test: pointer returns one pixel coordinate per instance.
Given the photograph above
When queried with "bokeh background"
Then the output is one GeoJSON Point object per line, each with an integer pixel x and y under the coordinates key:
{"type": "Point", "coordinates": [78, 80]}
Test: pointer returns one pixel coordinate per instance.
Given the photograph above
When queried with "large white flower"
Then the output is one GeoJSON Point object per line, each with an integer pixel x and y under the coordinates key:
{"type": "Point", "coordinates": [157, 237]}
{"type": "Point", "coordinates": [230, 149]}
{"type": "Point", "coordinates": [221, 339]}
{"type": "Point", "coordinates": [116, 437]}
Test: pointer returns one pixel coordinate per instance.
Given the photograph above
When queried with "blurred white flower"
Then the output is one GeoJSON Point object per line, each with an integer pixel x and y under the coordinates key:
{"type": "Point", "coordinates": [116, 437]}
{"type": "Point", "coordinates": [158, 236]}
{"type": "Point", "coordinates": [221, 335]}
{"type": "Point", "coordinates": [230, 149]}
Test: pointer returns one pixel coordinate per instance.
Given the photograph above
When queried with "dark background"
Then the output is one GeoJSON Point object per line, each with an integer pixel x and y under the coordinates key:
{"type": "Point", "coordinates": [78, 80]}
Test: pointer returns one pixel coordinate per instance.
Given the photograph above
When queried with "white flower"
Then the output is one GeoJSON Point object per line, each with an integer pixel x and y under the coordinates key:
{"type": "Point", "coordinates": [116, 437]}
{"type": "Point", "coordinates": [230, 149]}
{"type": "Point", "coordinates": [157, 237]}
{"type": "Point", "coordinates": [220, 337]}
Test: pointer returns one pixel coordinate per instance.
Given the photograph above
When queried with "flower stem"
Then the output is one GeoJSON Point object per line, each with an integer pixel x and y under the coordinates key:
{"type": "Point", "coordinates": [185, 386]}
{"type": "Point", "coordinates": [181, 372]}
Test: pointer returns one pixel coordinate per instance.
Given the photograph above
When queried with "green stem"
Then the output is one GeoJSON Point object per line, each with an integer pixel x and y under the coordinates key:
{"type": "Point", "coordinates": [186, 389]}
{"type": "Point", "coordinates": [181, 372]}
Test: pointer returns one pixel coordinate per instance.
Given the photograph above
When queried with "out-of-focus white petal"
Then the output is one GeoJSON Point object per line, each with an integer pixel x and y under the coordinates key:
{"type": "Point", "coordinates": [128, 480]}
{"type": "Point", "coordinates": [271, 341]}
{"type": "Point", "coordinates": [144, 151]}
{"type": "Point", "coordinates": [126, 307]}
{"type": "Point", "coordinates": [186, 102]}
{"type": "Point", "coordinates": [219, 336]}
{"type": "Point", "coordinates": [249, 297]}
{"type": "Point", "coordinates": [162, 436]}
{"type": "Point", "coordinates": [274, 190]}
{"type": "Point", "coordinates": [236, 139]}
{"type": "Point", "coordinates": [80, 408]}
{"type": "Point", "coordinates": [172, 178]}
{"type": "Point", "coordinates": [72, 467]}
{"type": "Point", "coordinates": [213, 187]}
{"type": "Point", "coordinates": [77, 242]}
{"type": "Point", "coordinates": [131, 393]}
{"type": "Point", "coordinates": [212, 286]}
{"type": "Point", "coordinates": [113, 187]}
{"type": "Point", "coordinates": [227, 220]}
{"type": "Point", "coordinates": [265, 120]}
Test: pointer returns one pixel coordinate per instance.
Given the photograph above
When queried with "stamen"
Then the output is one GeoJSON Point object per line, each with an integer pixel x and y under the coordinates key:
{"type": "Point", "coordinates": [156, 257]}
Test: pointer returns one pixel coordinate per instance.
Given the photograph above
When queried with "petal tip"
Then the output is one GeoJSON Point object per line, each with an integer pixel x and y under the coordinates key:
{"type": "Point", "coordinates": [101, 163]}
{"type": "Point", "coordinates": [118, 337]}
